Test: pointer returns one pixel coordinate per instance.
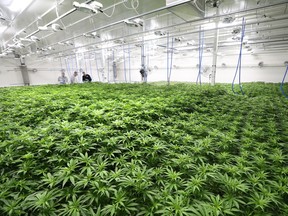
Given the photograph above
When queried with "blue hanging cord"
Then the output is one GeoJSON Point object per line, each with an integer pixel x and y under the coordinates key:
{"type": "Point", "coordinates": [129, 63]}
{"type": "Point", "coordinates": [171, 58]}
{"type": "Point", "coordinates": [239, 64]}
{"type": "Point", "coordinates": [201, 44]}
{"type": "Point", "coordinates": [124, 63]}
{"type": "Point", "coordinates": [282, 83]}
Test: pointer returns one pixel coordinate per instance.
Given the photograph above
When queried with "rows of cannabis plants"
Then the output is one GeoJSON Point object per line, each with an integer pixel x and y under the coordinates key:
{"type": "Point", "coordinates": [131, 149]}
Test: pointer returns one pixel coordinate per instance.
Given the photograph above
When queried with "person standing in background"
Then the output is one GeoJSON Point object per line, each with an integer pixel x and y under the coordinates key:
{"type": "Point", "coordinates": [86, 77]}
{"type": "Point", "coordinates": [143, 73]}
{"type": "Point", "coordinates": [74, 78]}
{"type": "Point", "coordinates": [62, 79]}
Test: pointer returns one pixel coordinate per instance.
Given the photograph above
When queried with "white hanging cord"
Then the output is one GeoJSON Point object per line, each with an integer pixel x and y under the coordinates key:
{"type": "Point", "coordinates": [114, 6]}
{"type": "Point", "coordinates": [196, 5]}
{"type": "Point", "coordinates": [129, 8]}
{"type": "Point", "coordinates": [134, 5]}
{"type": "Point", "coordinates": [57, 13]}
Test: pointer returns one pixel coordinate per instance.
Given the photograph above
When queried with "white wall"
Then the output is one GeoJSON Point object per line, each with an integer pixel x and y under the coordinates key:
{"type": "Point", "coordinates": [10, 74]}
{"type": "Point", "coordinates": [184, 68]}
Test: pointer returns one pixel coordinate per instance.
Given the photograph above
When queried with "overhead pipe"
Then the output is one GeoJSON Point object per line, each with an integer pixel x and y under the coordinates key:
{"type": "Point", "coordinates": [58, 18]}
{"type": "Point", "coordinates": [190, 32]}
{"type": "Point", "coordinates": [208, 18]}
{"type": "Point", "coordinates": [147, 13]}
{"type": "Point", "coordinates": [120, 21]}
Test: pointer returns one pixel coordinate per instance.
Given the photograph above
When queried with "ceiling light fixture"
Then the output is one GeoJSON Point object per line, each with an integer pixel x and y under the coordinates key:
{"type": "Point", "coordinates": [54, 27]}
{"type": "Point", "coordinates": [93, 7]}
{"type": "Point", "coordinates": [134, 23]}
{"type": "Point", "coordinates": [91, 35]}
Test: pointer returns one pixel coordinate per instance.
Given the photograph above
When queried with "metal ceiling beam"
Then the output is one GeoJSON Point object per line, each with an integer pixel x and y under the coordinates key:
{"type": "Point", "coordinates": [163, 8]}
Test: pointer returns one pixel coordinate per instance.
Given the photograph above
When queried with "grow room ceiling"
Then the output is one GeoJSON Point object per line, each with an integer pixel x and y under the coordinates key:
{"type": "Point", "coordinates": [59, 28]}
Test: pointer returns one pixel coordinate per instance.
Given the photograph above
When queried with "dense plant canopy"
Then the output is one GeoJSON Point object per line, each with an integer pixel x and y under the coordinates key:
{"type": "Point", "coordinates": [131, 149]}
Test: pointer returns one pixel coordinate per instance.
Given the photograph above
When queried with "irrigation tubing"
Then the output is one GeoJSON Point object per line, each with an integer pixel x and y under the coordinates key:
{"type": "Point", "coordinates": [239, 64]}
{"type": "Point", "coordinates": [201, 44]}
{"type": "Point", "coordinates": [282, 83]}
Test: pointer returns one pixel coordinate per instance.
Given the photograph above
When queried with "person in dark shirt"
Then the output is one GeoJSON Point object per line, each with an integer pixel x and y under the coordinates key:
{"type": "Point", "coordinates": [86, 77]}
{"type": "Point", "coordinates": [143, 73]}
